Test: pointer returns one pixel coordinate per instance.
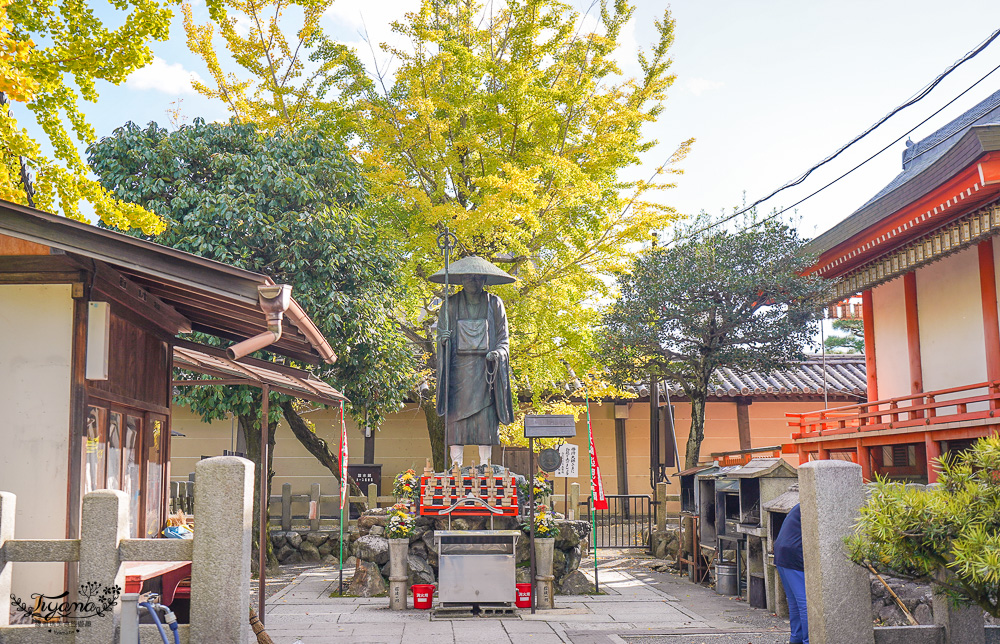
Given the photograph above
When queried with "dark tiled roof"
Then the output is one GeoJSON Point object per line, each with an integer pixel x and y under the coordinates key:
{"type": "Point", "coordinates": [916, 159]}
{"type": "Point", "coordinates": [845, 376]}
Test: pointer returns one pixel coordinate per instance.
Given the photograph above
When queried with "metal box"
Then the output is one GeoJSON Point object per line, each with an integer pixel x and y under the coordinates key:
{"type": "Point", "coordinates": [476, 566]}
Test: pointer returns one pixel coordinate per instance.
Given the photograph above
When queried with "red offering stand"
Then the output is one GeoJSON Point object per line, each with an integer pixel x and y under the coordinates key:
{"type": "Point", "coordinates": [439, 492]}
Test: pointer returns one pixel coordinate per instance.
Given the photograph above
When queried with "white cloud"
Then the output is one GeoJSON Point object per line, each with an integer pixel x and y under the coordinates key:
{"type": "Point", "coordinates": [163, 77]}
{"type": "Point", "coordinates": [699, 86]}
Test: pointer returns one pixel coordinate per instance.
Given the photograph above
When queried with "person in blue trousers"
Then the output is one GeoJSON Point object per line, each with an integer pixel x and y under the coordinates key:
{"type": "Point", "coordinates": [788, 560]}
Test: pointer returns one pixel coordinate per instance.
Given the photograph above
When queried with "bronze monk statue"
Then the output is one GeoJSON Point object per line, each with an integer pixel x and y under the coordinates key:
{"type": "Point", "coordinates": [473, 360]}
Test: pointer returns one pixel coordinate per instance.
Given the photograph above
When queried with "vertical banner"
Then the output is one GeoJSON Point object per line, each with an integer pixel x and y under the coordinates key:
{"type": "Point", "coordinates": [596, 487]}
{"type": "Point", "coordinates": [343, 459]}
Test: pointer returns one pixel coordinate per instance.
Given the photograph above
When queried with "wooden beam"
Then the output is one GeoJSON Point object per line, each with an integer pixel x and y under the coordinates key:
{"type": "Point", "coordinates": [868, 320]}
{"type": "Point", "coordinates": [743, 421]}
{"type": "Point", "coordinates": [991, 322]}
{"type": "Point", "coordinates": [14, 246]}
{"type": "Point", "coordinates": [140, 301]}
{"type": "Point", "coordinates": [621, 454]}
{"type": "Point", "coordinates": [913, 332]}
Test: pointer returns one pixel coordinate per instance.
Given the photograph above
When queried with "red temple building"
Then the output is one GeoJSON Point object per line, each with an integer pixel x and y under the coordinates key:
{"type": "Point", "coordinates": [922, 256]}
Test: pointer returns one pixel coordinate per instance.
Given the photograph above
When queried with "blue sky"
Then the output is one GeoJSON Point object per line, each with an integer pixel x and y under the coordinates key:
{"type": "Point", "coordinates": [766, 88]}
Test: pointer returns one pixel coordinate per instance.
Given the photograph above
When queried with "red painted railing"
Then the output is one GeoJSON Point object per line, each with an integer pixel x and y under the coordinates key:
{"type": "Point", "coordinates": [916, 410]}
{"type": "Point", "coordinates": [743, 456]}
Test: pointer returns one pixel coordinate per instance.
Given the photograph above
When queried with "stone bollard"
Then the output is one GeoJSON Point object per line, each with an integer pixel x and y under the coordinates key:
{"type": "Point", "coordinates": [963, 625]}
{"type": "Point", "coordinates": [103, 525]}
{"type": "Point", "coordinates": [7, 503]}
{"type": "Point", "coordinates": [398, 572]}
{"type": "Point", "coordinates": [838, 592]}
{"type": "Point", "coordinates": [220, 568]}
{"type": "Point", "coordinates": [544, 555]}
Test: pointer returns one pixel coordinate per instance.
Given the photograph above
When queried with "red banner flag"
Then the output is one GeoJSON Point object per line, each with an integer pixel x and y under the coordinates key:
{"type": "Point", "coordinates": [596, 486]}
{"type": "Point", "coordinates": [343, 459]}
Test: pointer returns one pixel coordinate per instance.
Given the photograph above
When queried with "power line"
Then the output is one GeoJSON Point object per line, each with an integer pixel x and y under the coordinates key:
{"type": "Point", "coordinates": [920, 95]}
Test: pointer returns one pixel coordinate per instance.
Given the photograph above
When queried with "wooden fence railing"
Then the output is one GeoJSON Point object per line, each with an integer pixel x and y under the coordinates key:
{"type": "Point", "coordinates": [968, 402]}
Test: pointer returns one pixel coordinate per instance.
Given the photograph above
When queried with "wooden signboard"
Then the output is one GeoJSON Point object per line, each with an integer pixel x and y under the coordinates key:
{"type": "Point", "coordinates": [549, 426]}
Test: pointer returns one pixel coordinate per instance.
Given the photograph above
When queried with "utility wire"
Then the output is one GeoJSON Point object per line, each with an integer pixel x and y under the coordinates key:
{"type": "Point", "coordinates": [886, 147]}
{"type": "Point", "coordinates": [920, 95]}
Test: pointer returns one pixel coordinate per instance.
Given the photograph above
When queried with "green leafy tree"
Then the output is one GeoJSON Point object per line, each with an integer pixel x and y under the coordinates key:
{"type": "Point", "coordinates": [711, 299]}
{"type": "Point", "coordinates": [948, 536]}
{"type": "Point", "coordinates": [851, 338]}
{"type": "Point", "coordinates": [53, 53]}
{"type": "Point", "coordinates": [291, 205]}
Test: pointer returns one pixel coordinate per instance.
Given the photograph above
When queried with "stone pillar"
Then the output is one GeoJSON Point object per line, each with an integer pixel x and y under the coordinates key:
{"type": "Point", "coordinates": [220, 569]}
{"type": "Point", "coordinates": [7, 503]}
{"type": "Point", "coordinates": [544, 554]}
{"type": "Point", "coordinates": [104, 523]}
{"type": "Point", "coordinates": [963, 625]}
{"type": "Point", "coordinates": [838, 592]}
{"type": "Point", "coordinates": [398, 565]}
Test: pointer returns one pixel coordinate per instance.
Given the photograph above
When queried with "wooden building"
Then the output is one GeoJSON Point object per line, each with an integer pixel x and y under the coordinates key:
{"type": "Point", "coordinates": [89, 325]}
{"type": "Point", "coordinates": [922, 255]}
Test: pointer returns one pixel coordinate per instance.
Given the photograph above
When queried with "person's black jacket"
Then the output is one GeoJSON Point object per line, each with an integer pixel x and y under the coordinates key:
{"type": "Point", "coordinates": [788, 545]}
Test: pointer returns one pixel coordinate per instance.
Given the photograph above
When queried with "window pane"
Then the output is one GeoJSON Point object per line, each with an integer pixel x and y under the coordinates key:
{"type": "Point", "coordinates": [93, 449]}
{"type": "Point", "coordinates": [154, 480]}
{"type": "Point", "coordinates": [130, 471]}
{"type": "Point", "coordinates": [114, 450]}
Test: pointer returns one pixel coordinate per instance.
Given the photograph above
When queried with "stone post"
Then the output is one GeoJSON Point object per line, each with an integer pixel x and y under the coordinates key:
{"type": "Point", "coordinates": [838, 591]}
{"type": "Point", "coordinates": [7, 503]}
{"type": "Point", "coordinates": [314, 512]}
{"type": "Point", "coordinates": [544, 554]}
{"type": "Point", "coordinates": [220, 568]}
{"type": "Point", "coordinates": [661, 507]}
{"type": "Point", "coordinates": [574, 502]}
{"type": "Point", "coordinates": [286, 507]}
{"type": "Point", "coordinates": [398, 565]}
{"type": "Point", "coordinates": [103, 525]}
{"type": "Point", "coordinates": [963, 625]}
{"type": "Point", "coordinates": [372, 496]}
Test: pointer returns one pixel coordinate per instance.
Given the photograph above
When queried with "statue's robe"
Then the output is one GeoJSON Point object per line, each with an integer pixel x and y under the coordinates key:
{"type": "Point", "coordinates": [478, 400]}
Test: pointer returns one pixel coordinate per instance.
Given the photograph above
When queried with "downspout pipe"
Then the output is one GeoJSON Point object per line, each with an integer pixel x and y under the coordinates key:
{"type": "Point", "coordinates": [274, 300]}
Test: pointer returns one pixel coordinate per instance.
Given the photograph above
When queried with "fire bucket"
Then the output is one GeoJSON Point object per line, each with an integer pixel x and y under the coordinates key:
{"type": "Point", "coordinates": [523, 595]}
{"type": "Point", "coordinates": [423, 595]}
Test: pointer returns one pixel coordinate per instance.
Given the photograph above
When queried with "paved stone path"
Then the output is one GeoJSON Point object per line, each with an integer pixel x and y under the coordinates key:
{"type": "Point", "coordinates": [635, 609]}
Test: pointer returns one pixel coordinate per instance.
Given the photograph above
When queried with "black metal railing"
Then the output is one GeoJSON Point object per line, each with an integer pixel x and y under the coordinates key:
{"type": "Point", "coordinates": [626, 523]}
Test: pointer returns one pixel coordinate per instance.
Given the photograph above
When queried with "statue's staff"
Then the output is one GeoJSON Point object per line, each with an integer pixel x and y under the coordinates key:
{"type": "Point", "coordinates": [445, 241]}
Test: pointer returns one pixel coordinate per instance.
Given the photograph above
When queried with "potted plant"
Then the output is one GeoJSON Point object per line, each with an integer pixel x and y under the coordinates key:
{"type": "Point", "coordinates": [398, 531]}
{"type": "Point", "coordinates": [406, 486]}
{"type": "Point", "coordinates": [540, 487]}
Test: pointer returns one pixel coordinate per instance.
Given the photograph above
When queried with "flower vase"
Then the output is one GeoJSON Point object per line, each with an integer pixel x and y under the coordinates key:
{"type": "Point", "coordinates": [398, 572]}
{"type": "Point", "coordinates": [545, 549]}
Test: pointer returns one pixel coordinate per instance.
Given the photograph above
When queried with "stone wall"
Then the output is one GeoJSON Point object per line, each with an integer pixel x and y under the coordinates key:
{"type": "Point", "coordinates": [368, 550]}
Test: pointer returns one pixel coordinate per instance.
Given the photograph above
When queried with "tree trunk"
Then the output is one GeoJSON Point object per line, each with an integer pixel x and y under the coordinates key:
{"type": "Point", "coordinates": [435, 431]}
{"type": "Point", "coordinates": [251, 430]}
{"type": "Point", "coordinates": [697, 433]}
{"type": "Point", "coordinates": [318, 448]}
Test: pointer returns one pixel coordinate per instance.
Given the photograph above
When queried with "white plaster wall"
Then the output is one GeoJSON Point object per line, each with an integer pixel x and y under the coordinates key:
{"type": "Point", "coordinates": [950, 312]}
{"type": "Point", "coordinates": [36, 341]}
{"type": "Point", "coordinates": [891, 356]}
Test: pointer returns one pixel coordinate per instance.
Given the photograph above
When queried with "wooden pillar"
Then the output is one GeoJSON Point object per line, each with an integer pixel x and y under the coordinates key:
{"type": "Point", "coordinates": [912, 333]}
{"type": "Point", "coordinates": [743, 420]}
{"type": "Point", "coordinates": [868, 318]}
{"type": "Point", "coordinates": [369, 445]}
{"type": "Point", "coordinates": [991, 323]}
{"type": "Point", "coordinates": [823, 454]}
{"type": "Point", "coordinates": [621, 449]}
{"type": "Point", "coordinates": [933, 449]}
{"type": "Point", "coordinates": [865, 461]}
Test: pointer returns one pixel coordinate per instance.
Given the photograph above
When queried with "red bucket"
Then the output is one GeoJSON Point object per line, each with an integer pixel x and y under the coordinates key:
{"type": "Point", "coordinates": [423, 595]}
{"type": "Point", "coordinates": [523, 596]}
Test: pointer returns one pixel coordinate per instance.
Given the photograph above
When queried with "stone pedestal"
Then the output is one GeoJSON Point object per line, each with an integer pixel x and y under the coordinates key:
{"type": "Point", "coordinates": [398, 550]}
{"type": "Point", "coordinates": [838, 592]}
{"type": "Point", "coordinates": [544, 554]}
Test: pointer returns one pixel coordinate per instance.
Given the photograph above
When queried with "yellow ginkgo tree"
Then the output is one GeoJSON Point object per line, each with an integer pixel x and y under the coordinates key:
{"type": "Point", "coordinates": [53, 53]}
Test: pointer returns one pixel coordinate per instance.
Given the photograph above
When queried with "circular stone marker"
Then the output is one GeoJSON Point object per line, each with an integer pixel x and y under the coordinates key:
{"type": "Point", "coordinates": [549, 459]}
